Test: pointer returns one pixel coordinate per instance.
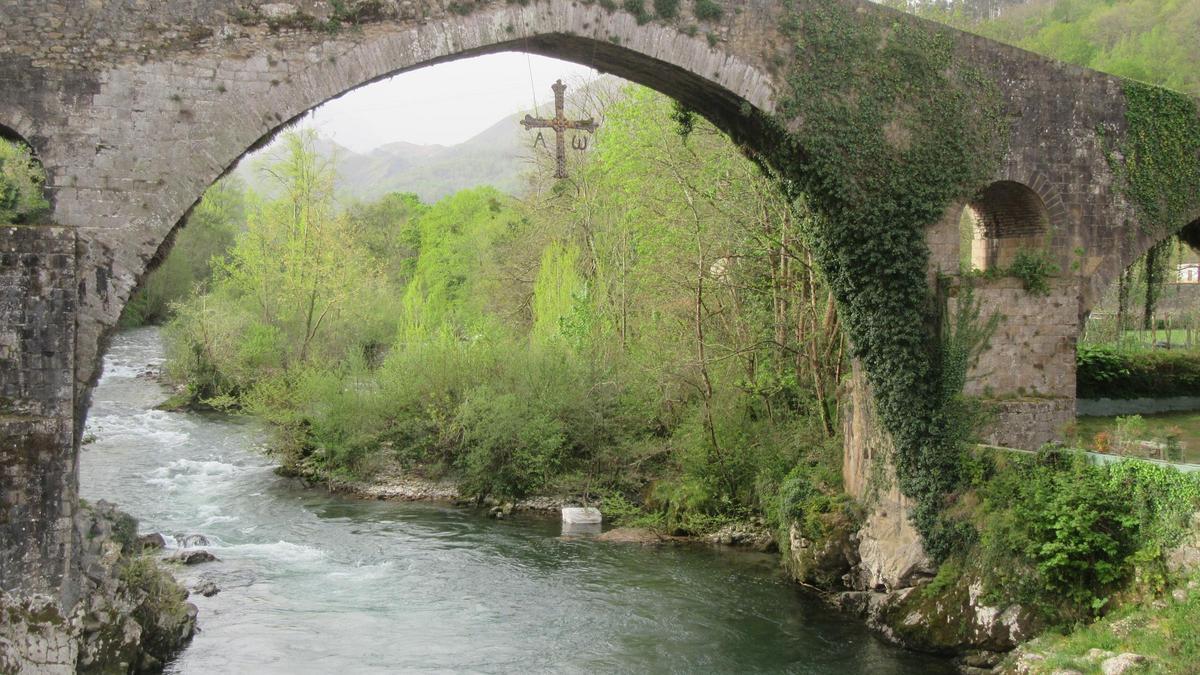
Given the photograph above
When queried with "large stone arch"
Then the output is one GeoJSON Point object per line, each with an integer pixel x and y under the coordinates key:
{"type": "Point", "coordinates": [134, 111]}
{"type": "Point", "coordinates": [211, 108]}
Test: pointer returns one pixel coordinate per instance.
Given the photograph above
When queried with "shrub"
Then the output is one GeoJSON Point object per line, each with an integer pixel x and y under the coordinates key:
{"type": "Point", "coordinates": [666, 9]}
{"type": "Point", "coordinates": [638, 9]}
{"type": "Point", "coordinates": [708, 10]}
{"type": "Point", "coordinates": [1062, 535]}
{"type": "Point", "coordinates": [1105, 373]}
{"type": "Point", "coordinates": [1034, 269]}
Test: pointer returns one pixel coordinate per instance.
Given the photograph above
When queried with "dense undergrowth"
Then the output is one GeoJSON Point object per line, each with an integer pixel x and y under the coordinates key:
{"type": "Point", "coordinates": [1069, 539]}
{"type": "Point", "coordinates": [1104, 372]}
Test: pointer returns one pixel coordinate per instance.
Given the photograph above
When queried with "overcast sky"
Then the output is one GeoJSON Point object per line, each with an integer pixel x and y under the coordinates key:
{"type": "Point", "coordinates": [443, 104]}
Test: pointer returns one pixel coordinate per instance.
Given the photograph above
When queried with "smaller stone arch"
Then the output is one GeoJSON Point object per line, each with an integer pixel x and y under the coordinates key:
{"type": "Point", "coordinates": [1190, 235]}
{"type": "Point", "coordinates": [1004, 218]}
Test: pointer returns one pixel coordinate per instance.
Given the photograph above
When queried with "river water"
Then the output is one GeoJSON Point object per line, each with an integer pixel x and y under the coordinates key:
{"type": "Point", "coordinates": [316, 583]}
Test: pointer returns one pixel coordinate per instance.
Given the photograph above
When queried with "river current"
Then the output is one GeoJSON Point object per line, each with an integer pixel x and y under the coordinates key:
{"type": "Point", "coordinates": [316, 583]}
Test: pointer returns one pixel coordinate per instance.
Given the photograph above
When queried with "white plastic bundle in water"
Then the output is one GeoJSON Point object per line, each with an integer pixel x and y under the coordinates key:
{"type": "Point", "coordinates": [581, 520]}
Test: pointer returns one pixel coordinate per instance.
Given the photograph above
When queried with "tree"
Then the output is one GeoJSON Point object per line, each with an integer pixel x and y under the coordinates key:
{"type": "Point", "coordinates": [200, 244]}
{"type": "Point", "coordinates": [298, 261]}
{"type": "Point", "coordinates": [21, 182]}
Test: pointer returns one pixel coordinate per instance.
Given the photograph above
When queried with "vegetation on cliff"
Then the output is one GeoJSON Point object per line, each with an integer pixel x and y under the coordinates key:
{"type": "Point", "coordinates": [1152, 41]}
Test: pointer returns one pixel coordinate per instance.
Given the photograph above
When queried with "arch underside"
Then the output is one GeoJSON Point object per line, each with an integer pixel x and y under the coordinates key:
{"type": "Point", "coordinates": [1005, 218]}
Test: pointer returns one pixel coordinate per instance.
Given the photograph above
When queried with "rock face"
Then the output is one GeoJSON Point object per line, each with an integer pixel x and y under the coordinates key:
{"type": "Point", "coordinates": [132, 615]}
{"type": "Point", "coordinates": [751, 535]}
{"type": "Point", "coordinates": [956, 619]}
{"type": "Point", "coordinates": [1185, 557]}
{"type": "Point", "coordinates": [886, 578]}
{"type": "Point", "coordinates": [826, 562]}
{"type": "Point", "coordinates": [890, 553]}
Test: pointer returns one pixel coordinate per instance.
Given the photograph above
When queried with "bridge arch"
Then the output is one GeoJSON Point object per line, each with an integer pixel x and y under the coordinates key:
{"type": "Point", "coordinates": [1004, 218]}
{"type": "Point", "coordinates": [137, 116]}
{"type": "Point", "coordinates": [232, 92]}
{"type": "Point", "coordinates": [1190, 235]}
{"type": "Point", "coordinates": [23, 200]}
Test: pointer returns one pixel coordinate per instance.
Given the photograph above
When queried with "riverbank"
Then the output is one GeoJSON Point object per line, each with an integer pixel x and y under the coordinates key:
{"type": "Point", "coordinates": [837, 561]}
{"type": "Point", "coordinates": [313, 581]}
{"type": "Point", "coordinates": [861, 560]}
{"type": "Point", "coordinates": [395, 484]}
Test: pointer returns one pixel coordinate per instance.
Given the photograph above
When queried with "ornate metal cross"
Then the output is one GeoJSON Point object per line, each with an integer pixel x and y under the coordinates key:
{"type": "Point", "coordinates": [559, 123]}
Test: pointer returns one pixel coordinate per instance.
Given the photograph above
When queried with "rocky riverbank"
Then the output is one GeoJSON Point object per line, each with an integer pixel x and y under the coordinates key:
{"type": "Point", "coordinates": [133, 616]}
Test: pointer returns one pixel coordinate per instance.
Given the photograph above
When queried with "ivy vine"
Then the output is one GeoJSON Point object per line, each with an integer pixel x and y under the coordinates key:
{"type": "Point", "coordinates": [1159, 162]}
{"type": "Point", "coordinates": [887, 130]}
{"type": "Point", "coordinates": [1158, 169]}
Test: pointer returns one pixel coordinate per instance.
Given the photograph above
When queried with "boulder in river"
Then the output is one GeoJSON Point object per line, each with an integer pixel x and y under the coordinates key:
{"type": "Point", "coordinates": [632, 535]}
{"type": "Point", "coordinates": [192, 557]}
{"type": "Point", "coordinates": [152, 541]}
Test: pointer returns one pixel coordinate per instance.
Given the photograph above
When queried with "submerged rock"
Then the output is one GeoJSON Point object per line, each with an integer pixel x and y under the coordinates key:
{"type": "Point", "coordinates": [633, 535]}
{"type": "Point", "coordinates": [206, 588]}
{"type": "Point", "coordinates": [191, 540]}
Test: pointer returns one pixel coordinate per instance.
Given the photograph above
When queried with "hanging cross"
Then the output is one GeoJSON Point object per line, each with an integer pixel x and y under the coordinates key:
{"type": "Point", "coordinates": [559, 123]}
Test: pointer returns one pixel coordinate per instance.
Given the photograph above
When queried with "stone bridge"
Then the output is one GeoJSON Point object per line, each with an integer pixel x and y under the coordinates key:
{"type": "Point", "coordinates": [136, 107]}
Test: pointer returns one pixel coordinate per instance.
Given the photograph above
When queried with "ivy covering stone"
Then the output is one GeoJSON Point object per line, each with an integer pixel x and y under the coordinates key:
{"type": "Point", "coordinates": [888, 130]}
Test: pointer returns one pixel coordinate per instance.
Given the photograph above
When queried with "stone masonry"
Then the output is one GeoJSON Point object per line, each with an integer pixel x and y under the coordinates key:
{"type": "Point", "coordinates": [136, 107]}
{"type": "Point", "coordinates": [38, 296]}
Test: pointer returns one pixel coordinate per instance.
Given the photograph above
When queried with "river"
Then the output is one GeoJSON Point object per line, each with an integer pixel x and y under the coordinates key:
{"type": "Point", "coordinates": [316, 583]}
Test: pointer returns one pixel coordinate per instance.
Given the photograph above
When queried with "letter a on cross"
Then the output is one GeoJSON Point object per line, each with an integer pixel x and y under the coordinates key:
{"type": "Point", "coordinates": [560, 124]}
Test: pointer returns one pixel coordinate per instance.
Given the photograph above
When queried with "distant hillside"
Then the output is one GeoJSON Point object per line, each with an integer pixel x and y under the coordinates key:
{"type": "Point", "coordinates": [496, 157]}
{"type": "Point", "coordinates": [1155, 41]}
{"type": "Point", "coordinates": [499, 156]}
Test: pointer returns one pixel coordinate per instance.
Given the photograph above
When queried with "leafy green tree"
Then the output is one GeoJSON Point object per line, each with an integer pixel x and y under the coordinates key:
{"type": "Point", "coordinates": [199, 246]}
{"type": "Point", "coordinates": [21, 183]}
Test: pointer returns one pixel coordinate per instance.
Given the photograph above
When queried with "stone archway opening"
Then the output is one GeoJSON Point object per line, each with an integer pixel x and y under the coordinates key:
{"type": "Point", "coordinates": [23, 198]}
{"type": "Point", "coordinates": [1005, 218]}
{"type": "Point", "coordinates": [1190, 235]}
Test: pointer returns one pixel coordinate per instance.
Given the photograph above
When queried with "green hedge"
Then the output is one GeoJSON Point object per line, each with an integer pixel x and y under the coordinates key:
{"type": "Point", "coordinates": [1105, 373]}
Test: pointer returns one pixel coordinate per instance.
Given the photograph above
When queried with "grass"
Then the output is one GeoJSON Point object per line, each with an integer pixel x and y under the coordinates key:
{"type": "Point", "coordinates": [1166, 635]}
{"type": "Point", "coordinates": [1184, 425]}
{"type": "Point", "coordinates": [1137, 340]}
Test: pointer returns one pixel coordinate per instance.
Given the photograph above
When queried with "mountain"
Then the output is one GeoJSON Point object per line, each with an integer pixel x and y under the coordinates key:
{"type": "Point", "coordinates": [497, 156]}
{"type": "Point", "coordinates": [500, 155]}
{"type": "Point", "coordinates": [493, 157]}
